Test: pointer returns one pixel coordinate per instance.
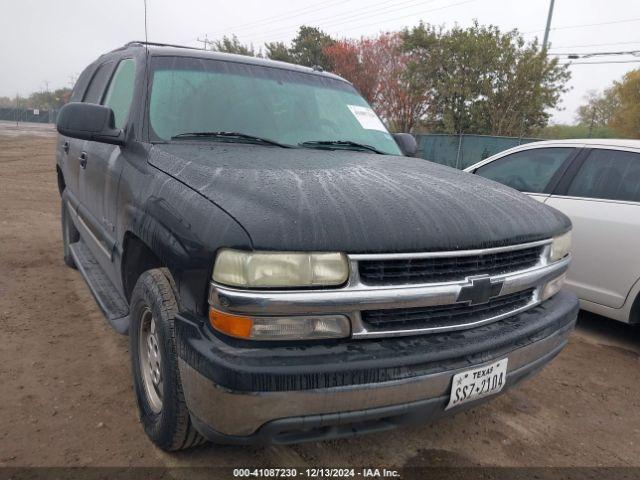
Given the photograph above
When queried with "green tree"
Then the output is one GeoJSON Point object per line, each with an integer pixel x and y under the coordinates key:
{"type": "Point", "coordinates": [483, 81]}
{"type": "Point", "coordinates": [626, 118]}
{"type": "Point", "coordinates": [278, 51]}
{"type": "Point", "coordinates": [308, 47]}
{"type": "Point", "coordinates": [233, 45]}
{"type": "Point", "coordinates": [560, 132]}
{"type": "Point", "coordinates": [598, 109]}
{"type": "Point", "coordinates": [48, 100]}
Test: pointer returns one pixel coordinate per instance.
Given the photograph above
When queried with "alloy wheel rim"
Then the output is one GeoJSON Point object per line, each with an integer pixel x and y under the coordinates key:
{"type": "Point", "coordinates": [150, 356]}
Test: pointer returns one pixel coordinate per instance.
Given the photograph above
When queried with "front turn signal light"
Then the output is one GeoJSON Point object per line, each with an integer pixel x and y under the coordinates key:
{"type": "Point", "coordinates": [235, 325]}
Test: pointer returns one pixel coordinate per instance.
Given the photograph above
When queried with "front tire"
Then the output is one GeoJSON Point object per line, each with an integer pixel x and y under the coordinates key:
{"type": "Point", "coordinates": [154, 363]}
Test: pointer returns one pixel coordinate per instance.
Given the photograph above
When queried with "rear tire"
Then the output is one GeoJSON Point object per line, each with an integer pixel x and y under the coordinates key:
{"type": "Point", "coordinates": [70, 235]}
{"type": "Point", "coordinates": [154, 363]}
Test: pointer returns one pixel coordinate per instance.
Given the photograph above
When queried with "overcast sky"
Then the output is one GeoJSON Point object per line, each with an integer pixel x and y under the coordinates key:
{"type": "Point", "coordinates": [49, 42]}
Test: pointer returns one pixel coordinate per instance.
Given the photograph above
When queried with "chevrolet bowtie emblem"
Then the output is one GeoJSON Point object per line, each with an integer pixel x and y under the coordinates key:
{"type": "Point", "coordinates": [479, 290]}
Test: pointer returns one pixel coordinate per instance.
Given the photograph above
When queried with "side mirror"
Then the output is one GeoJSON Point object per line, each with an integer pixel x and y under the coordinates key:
{"type": "Point", "coordinates": [88, 121]}
{"type": "Point", "coordinates": [407, 143]}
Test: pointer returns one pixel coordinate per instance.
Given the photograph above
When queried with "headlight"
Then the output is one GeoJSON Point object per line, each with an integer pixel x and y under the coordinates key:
{"type": "Point", "coordinates": [561, 246]}
{"type": "Point", "coordinates": [280, 269]}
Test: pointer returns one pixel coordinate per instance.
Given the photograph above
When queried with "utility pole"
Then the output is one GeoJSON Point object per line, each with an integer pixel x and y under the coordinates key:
{"type": "Point", "coordinates": [593, 119]}
{"type": "Point", "coordinates": [205, 42]}
{"type": "Point", "coordinates": [545, 43]}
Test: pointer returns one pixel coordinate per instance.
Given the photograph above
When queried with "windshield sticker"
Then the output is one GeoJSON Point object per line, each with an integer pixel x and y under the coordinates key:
{"type": "Point", "coordinates": [367, 118]}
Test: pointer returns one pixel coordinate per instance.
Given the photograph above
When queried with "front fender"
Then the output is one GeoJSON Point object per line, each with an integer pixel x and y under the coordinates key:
{"type": "Point", "coordinates": [183, 229]}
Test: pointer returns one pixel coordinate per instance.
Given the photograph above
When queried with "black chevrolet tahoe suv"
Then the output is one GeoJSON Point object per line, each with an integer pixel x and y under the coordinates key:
{"type": "Point", "coordinates": [284, 269]}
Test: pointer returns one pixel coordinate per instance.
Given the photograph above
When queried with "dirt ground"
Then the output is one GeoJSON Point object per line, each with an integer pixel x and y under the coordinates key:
{"type": "Point", "coordinates": [66, 396]}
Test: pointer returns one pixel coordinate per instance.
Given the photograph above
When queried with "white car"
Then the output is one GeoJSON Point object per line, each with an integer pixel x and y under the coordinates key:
{"type": "Point", "coordinates": [597, 184]}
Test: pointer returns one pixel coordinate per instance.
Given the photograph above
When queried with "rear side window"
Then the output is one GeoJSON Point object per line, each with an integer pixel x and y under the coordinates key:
{"type": "Point", "coordinates": [120, 92]}
{"type": "Point", "coordinates": [608, 174]}
{"type": "Point", "coordinates": [98, 83]}
{"type": "Point", "coordinates": [528, 170]}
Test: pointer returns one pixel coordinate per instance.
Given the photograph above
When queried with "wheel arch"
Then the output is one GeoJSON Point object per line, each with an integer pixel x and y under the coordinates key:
{"type": "Point", "coordinates": [634, 314]}
{"type": "Point", "coordinates": [137, 258]}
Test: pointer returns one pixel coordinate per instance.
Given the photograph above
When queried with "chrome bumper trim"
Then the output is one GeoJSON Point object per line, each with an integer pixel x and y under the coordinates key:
{"type": "Point", "coordinates": [242, 413]}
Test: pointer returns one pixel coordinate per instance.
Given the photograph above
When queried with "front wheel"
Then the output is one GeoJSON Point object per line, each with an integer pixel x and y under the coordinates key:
{"type": "Point", "coordinates": [156, 379]}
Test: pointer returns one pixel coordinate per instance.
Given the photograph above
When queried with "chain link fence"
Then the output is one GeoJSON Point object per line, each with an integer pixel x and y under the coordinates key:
{"type": "Point", "coordinates": [461, 151]}
{"type": "Point", "coordinates": [32, 115]}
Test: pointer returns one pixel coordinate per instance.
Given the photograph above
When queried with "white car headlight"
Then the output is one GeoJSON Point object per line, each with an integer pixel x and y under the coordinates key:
{"type": "Point", "coordinates": [280, 269]}
{"type": "Point", "coordinates": [561, 246]}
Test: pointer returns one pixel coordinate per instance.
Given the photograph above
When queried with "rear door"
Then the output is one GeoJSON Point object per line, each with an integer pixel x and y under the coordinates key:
{"type": "Point", "coordinates": [534, 171]}
{"type": "Point", "coordinates": [601, 195]}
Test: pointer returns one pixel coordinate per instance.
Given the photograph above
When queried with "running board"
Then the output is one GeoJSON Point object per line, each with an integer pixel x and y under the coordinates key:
{"type": "Point", "coordinates": [114, 307]}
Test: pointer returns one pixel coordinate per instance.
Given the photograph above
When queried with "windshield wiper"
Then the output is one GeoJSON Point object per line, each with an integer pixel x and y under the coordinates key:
{"type": "Point", "coordinates": [231, 136]}
{"type": "Point", "coordinates": [344, 144]}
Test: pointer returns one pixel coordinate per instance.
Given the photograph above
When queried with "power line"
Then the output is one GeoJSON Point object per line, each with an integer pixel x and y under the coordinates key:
{"type": "Point", "coordinates": [596, 54]}
{"type": "Point", "coordinates": [411, 15]}
{"type": "Point", "coordinates": [414, 14]}
{"type": "Point", "coordinates": [565, 27]}
{"type": "Point", "coordinates": [334, 20]}
{"type": "Point", "coordinates": [601, 63]}
{"type": "Point", "coordinates": [597, 45]}
{"type": "Point", "coordinates": [277, 18]}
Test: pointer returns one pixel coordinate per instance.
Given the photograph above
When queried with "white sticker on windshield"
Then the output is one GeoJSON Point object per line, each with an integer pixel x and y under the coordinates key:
{"type": "Point", "coordinates": [367, 118]}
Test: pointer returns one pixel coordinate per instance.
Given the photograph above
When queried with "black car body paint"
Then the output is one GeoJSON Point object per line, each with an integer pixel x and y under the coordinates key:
{"type": "Point", "coordinates": [176, 203]}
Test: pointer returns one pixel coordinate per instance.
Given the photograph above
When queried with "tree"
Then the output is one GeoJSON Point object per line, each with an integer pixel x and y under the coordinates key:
{"type": "Point", "coordinates": [626, 118]}
{"type": "Point", "coordinates": [357, 61]}
{"type": "Point", "coordinates": [616, 109]}
{"type": "Point", "coordinates": [377, 67]}
{"type": "Point", "coordinates": [278, 51]}
{"type": "Point", "coordinates": [483, 81]}
{"type": "Point", "coordinates": [232, 45]}
{"type": "Point", "coordinates": [555, 132]}
{"type": "Point", "coordinates": [48, 100]}
{"type": "Point", "coordinates": [308, 47]}
{"type": "Point", "coordinates": [598, 109]}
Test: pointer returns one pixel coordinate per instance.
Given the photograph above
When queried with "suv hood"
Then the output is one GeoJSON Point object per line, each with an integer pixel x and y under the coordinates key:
{"type": "Point", "coordinates": [355, 202]}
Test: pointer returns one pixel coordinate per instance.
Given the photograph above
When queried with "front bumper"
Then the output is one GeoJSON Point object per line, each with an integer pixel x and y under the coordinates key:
{"type": "Point", "coordinates": [280, 394]}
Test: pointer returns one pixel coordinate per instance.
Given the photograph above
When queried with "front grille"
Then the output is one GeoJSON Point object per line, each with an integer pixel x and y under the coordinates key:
{"type": "Point", "coordinates": [457, 314]}
{"type": "Point", "coordinates": [445, 269]}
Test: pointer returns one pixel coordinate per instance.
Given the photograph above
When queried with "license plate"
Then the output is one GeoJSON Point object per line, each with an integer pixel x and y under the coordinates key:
{"type": "Point", "coordinates": [477, 383]}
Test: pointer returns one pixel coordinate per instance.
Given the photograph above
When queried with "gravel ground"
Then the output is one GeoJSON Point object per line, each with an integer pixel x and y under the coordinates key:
{"type": "Point", "coordinates": [67, 399]}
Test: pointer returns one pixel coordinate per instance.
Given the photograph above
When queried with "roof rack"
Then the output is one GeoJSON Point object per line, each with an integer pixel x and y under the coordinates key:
{"type": "Point", "coordinates": [158, 44]}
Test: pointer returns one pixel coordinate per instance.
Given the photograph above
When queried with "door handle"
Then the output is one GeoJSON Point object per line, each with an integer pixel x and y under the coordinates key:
{"type": "Point", "coordinates": [83, 160]}
{"type": "Point", "coordinates": [65, 146]}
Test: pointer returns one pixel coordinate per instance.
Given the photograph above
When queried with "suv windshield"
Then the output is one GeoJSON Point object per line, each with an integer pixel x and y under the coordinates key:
{"type": "Point", "coordinates": [285, 106]}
